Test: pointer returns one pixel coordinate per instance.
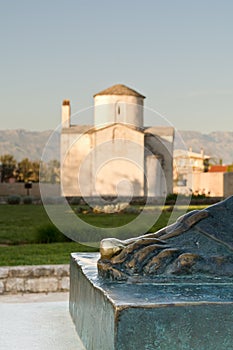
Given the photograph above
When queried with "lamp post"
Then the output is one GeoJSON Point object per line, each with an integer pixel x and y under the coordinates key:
{"type": "Point", "coordinates": [28, 186]}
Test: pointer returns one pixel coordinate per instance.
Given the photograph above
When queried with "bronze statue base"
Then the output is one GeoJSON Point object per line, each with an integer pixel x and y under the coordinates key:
{"type": "Point", "coordinates": [116, 315]}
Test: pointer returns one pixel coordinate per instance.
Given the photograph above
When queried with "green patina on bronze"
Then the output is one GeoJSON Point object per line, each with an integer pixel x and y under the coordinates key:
{"type": "Point", "coordinates": [116, 315]}
{"type": "Point", "coordinates": [199, 245]}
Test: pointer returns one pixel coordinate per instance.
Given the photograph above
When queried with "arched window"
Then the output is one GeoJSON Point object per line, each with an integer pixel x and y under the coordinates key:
{"type": "Point", "coordinates": [120, 112]}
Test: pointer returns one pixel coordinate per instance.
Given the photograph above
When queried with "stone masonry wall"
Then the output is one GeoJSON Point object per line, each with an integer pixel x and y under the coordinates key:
{"type": "Point", "coordinates": [34, 279]}
{"type": "Point", "coordinates": [7, 189]}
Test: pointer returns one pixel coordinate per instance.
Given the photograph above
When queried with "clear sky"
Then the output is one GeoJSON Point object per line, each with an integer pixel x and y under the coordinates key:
{"type": "Point", "coordinates": [178, 53]}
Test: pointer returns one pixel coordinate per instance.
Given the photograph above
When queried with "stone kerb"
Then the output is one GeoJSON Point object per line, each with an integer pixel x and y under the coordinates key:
{"type": "Point", "coordinates": [34, 279]}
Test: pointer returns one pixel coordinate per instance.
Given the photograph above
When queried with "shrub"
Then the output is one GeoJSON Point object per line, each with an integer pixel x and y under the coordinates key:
{"type": "Point", "coordinates": [27, 200]}
{"type": "Point", "coordinates": [14, 199]}
{"type": "Point", "coordinates": [171, 197]}
{"type": "Point", "coordinates": [131, 210]}
{"type": "Point", "coordinates": [82, 209]}
{"type": "Point", "coordinates": [169, 209]}
{"type": "Point", "coordinates": [56, 200]}
{"type": "Point", "coordinates": [74, 201]}
{"type": "Point", "coordinates": [50, 234]}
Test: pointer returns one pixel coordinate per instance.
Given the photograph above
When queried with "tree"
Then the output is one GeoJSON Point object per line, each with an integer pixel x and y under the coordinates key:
{"type": "Point", "coordinates": [50, 172]}
{"type": "Point", "coordinates": [28, 170]}
{"type": "Point", "coordinates": [54, 171]}
{"type": "Point", "coordinates": [36, 171]}
{"type": "Point", "coordinates": [8, 167]}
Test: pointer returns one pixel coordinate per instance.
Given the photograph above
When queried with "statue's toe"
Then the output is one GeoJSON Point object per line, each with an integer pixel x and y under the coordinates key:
{"type": "Point", "coordinates": [110, 247]}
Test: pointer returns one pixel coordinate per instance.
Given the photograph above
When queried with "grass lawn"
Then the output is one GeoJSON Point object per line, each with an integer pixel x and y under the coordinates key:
{"type": "Point", "coordinates": [40, 254]}
{"type": "Point", "coordinates": [20, 226]}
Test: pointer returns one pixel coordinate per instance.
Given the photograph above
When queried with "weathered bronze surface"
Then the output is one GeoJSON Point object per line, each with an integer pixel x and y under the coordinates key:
{"type": "Point", "coordinates": [199, 245]}
{"type": "Point", "coordinates": [114, 315]}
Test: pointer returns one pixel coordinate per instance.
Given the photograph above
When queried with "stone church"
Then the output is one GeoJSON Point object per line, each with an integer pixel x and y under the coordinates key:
{"type": "Point", "coordinates": [118, 155]}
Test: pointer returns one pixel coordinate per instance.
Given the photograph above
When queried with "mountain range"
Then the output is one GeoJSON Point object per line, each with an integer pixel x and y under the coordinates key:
{"type": "Point", "coordinates": [218, 145]}
{"type": "Point", "coordinates": [30, 144]}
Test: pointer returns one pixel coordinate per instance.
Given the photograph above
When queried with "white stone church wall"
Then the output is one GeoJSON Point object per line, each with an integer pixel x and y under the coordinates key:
{"type": "Point", "coordinates": [75, 149]}
{"type": "Point", "coordinates": [163, 149]}
{"type": "Point", "coordinates": [118, 163]}
{"type": "Point", "coordinates": [118, 109]}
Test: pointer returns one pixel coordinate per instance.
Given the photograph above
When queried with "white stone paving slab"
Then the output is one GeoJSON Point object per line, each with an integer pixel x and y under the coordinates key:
{"type": "Point", "coordinates": [37, 322]}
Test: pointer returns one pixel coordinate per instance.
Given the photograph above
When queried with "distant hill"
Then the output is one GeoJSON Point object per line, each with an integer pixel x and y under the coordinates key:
{"type": "Point", "coordinates": [27, 144]}
{"type": "Point", "coordinates": [30, 144]}
{"type": "Point", "coordinates": [218, 145]}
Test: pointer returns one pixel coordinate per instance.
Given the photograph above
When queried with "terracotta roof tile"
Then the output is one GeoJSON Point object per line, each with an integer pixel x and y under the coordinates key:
{"type": "Point", "coordinates": [218, 169]}
{"type": "Point", "coordinates": [119, 89]}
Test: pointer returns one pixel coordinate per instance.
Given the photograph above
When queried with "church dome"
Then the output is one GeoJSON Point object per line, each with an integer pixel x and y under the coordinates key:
{"type": "Point", "coordinates": [119, 89]}
{"type": "Point", "coordinates": [118, 104]}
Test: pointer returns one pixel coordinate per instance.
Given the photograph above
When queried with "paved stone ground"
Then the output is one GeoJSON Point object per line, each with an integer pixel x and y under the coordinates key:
{"type": "Point", "coordinates": [37, 322]}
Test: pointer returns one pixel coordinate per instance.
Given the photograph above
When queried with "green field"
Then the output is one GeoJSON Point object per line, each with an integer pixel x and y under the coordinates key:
{"type": "Point", "coordinates": [40, 254]}
{"type": "Point", "coordinates": [23, 226]}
